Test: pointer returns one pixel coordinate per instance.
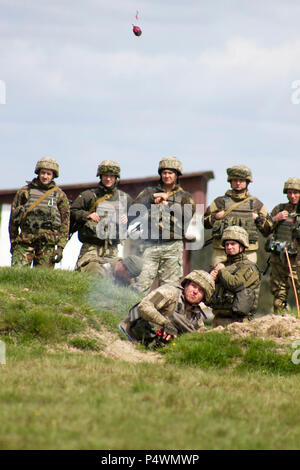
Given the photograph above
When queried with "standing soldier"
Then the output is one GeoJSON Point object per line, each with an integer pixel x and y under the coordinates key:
{"type": "Point", "coordinates": [237, 207]}
{"type": "Point", "coordinates": [39, 219]}
{"type": "Point", "coordinates": [284, 217]}
{"type": "Point", "coordinates": [168, 209]}
{"type": "Point", "coordinates": [237, 280]}
{"type": "Point", "coordinates": [100, 215]}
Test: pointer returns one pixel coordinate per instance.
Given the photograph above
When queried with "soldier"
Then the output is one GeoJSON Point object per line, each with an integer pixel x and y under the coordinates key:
{"type": "Point", "coordinates": [169, 310]}
{"type": "Point", "coordinates": [237, 280]}
{"type": "Point", "coordinates": [39, 219]}
{"type": "Point", "coordinates": [169, 209]}
{"type": "Point", "coordinates": [101, 216]}
{"type": "Point", "coordinates": [237, 207]}
{"type": "Point", "coordinates": [285, 218]}
{"type": "Point", "coordinates": [123, 271]}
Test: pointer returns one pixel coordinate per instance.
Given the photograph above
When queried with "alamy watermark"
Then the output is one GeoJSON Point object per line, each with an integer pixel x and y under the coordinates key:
{"type": "Point", "coordinates": [2, 352]}
{"type": "Point", "coordinates": [295, 98]}
{"type": "Point", "coordinates": [2, 92]}
{"type": "Point", "coordinates": [296, 353]}
{"type": "Point", "coordinates": [151, 222]}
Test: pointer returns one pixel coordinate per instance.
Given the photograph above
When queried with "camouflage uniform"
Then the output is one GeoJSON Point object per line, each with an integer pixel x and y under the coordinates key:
{"type": "Point", "coordinates": [165, 309]}
{"type": "Point", "coordinates": [282, 235]}
{"type": "Point", "coordinates": [241, 215]}
{"type": "Point", "coordinates": [163, 234]}
{"type": "Point", "coordinates": [35, 234]}
{"type": "Point", "coordinates": [100, 240]}
{"type": "Point", "coordinates": [237, 286]}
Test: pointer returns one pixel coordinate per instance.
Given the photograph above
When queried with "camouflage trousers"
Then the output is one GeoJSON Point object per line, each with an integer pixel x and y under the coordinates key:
{"type": "Point", "coordinates": [92, 257]}
{"type": "Point", "coordinates": [36, 254]}
{"type": "Point", "coordinates": [161, 261]}
{"type": "Point", "coordinates": [280, 279]}
{"type": "Point", "coordinates": [219, 256]}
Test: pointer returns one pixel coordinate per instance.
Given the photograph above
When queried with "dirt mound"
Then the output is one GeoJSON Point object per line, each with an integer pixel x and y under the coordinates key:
{"type": "Point", "coordinates": [116, 348]}
{"type": "Point", "coordinates": [279, 328]}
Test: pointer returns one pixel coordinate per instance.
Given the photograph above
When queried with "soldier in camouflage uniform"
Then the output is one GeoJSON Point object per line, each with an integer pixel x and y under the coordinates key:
{"type": "Point", "coordinates": [285, 217]}
{"type": "Point", "coordinates": [123, 271]}
{"type": "Point", "coordinates": [100, 215]}
{"type": "Point", "coordinates": [39, 219]}
{"type": "Point", "coordinates": [237, 280]}
{"type": "Point", "coordinates": [168, 210]}
{"type": "Point", "coordinates": [169, 310]}
{"type": "Point", "coordinates": [237, 207]}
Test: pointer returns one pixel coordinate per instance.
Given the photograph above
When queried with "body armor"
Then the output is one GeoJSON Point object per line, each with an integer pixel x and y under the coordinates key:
{"type": "Point", "coordinates": [283, 231]}
{"type": "Point", "coordinates": [45, 215]}
{"type": "Point", "coordinates": [240, 216]}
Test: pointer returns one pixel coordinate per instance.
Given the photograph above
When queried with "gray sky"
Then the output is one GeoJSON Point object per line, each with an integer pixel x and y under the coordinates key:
{"type": "Point", "coordinates": [208, 81]}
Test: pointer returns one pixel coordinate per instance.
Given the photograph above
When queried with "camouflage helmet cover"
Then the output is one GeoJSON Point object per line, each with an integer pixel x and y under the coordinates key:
{"type": "Point", "coordinates": [170, 163]}
{"type": "Point", "coordinates": [109, 167]}
{"type": "Point", "coordinates": [47, 164]}
{"type": "Point", "coordinates": [236, 233]}
{"type": "Point", "coordinates": [239, 171]}
{"type": "Point", "coordinates": [202, 279]}
{"type": "Point", "coordinates": [291, 183]}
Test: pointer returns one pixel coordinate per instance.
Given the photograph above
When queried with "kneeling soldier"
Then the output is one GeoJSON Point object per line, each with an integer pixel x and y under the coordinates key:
{"type": "Point", "coordinates": [169, 311]}
{"type": "Point", "coordinates": [237, 280]}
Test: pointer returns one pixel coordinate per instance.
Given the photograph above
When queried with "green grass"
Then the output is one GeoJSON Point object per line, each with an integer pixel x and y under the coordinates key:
{"type": "Point", "coordinates": [57, 390]}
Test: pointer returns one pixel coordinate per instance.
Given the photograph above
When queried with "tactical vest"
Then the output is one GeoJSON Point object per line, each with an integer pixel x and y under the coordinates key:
{"type": "Point", "coordinates": [45, 215]}
{"type": "Point", "coordinates": [283, 231]}
{"type": "Point", "coordinates": [243, 302]}
{"type": "Point", "coordinates": [107, 231]}
{"type": "Point", "coordinates": [171, 218]}
{"type": "Point", "coordinates": [242, 216]}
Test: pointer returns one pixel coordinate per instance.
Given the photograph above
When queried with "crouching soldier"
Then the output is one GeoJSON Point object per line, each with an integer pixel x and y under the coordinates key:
{"type": "Point", "coordinates": [237, 280]}
{"type": "Point", "coordinates": [170, 311]}
{"type": "Point", "coordinates": [123, 271]}
{"type": "Point", "coordinates": [39, 219]}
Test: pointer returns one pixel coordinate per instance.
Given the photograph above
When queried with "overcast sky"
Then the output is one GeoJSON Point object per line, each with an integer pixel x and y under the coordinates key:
{"type": "Point", "coordinates": [208, 81]}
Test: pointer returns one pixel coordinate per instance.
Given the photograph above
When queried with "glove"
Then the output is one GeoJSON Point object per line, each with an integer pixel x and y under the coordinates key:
{"type": "Point", "coordinates": [58, 254]}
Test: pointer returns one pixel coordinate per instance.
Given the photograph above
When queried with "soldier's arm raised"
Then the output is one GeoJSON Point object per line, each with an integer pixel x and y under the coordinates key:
{"type": "Point", "coordinates": [262, 219]}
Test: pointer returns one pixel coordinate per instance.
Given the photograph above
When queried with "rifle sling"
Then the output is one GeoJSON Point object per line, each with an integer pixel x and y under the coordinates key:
{"type": "Point", "coordinates": [231, 208]}
{"type": "Point", "coordinates": [98, 201]}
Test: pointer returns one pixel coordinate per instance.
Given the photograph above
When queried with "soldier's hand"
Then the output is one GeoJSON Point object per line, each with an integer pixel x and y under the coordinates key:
{"type": "Point", "coordinates": [94, 216]}
{"type": "Point", "coordinates": [283, 215]}
{"type": "Point", "coordinates": [58, 254]}
{"type": "Point", "coordinates": [219, 215]}
{"type": "Point", "coordinates": [160, 198]}
{"type": "Point", "coordinates": [219, 266]}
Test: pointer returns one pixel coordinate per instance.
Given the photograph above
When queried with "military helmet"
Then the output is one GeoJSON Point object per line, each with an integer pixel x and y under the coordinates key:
{"type": "Point", "coordinates": [236, 233]}
{"type": "Point", "coordinates": [239, 171]}
{"type": "Point", "coordinates": [291, 183]}
{"type": "Point", "coordinates": [170, 163]}
{"type": "Point", "coordinates": [47, 164]}
{"type": "Point", "coordinates": [202, 279]}
{"type": "Point", "coordinates": [109, 167]}
{"type": "Point", "coordinates": [133, 264]}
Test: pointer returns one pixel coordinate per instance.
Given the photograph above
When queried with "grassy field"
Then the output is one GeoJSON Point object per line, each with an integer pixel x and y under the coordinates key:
{"type": "Point", "coordinates": [58, 390]}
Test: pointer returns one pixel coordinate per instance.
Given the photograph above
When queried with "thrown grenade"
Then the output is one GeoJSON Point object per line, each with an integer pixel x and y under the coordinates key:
{"type": "Point", "coordinates": [137, 30]}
